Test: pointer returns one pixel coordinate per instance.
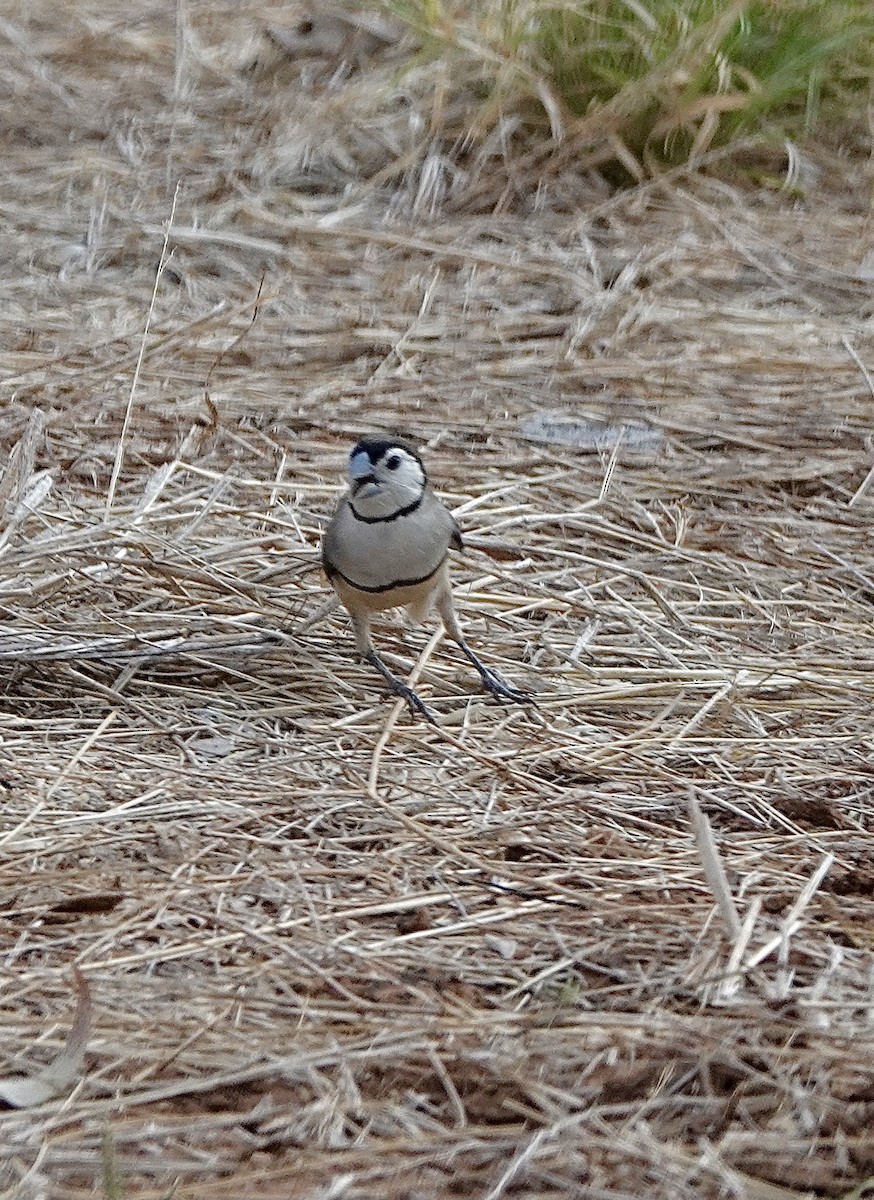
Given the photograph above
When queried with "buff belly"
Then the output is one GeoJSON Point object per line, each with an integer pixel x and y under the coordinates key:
{"type": "Point", "coordinates": [416, 598]}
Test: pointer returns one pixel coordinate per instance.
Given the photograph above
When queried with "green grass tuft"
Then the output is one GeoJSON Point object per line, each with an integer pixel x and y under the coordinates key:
{"type": "Point", "coordinates": [659, 81]}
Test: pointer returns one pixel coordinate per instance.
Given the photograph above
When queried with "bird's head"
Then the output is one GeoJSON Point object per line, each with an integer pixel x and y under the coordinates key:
{"type": "Point", "coordinates": [385, 477]}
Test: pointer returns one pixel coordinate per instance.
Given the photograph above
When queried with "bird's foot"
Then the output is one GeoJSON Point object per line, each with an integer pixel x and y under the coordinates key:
{"type": "Point", "coordinates": [493, 682]}
{"type": "Point", "coordinates": [415, 703]}
{"type": "Point", "coordinates": [502, 690]}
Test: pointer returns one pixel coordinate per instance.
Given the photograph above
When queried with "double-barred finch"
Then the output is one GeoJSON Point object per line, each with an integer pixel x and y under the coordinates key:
{"type": "Point", "coordinates": [387, 546]}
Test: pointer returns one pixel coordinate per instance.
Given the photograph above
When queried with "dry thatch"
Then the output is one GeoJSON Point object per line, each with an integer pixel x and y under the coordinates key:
{"type": "Point", "coordinates": [620, 947]}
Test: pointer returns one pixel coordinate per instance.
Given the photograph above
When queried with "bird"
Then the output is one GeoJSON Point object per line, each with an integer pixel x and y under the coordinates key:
{"type": "Point", "coordinates": [387, 546]}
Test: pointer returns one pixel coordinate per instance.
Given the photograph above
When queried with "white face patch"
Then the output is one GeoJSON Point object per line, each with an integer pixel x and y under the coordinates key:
{"type": "Point", "coordinates": [381, 490]}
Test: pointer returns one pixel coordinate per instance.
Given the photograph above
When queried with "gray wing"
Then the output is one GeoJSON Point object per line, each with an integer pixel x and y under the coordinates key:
{"type": "Point", "coordinates": [442, 519]}
{"type": "Point", "coordinates": [329, 542]}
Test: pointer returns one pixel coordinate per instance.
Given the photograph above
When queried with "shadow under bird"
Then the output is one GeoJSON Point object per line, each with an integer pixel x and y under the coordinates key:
{"type": "Point", "coordinates": [387, 546]}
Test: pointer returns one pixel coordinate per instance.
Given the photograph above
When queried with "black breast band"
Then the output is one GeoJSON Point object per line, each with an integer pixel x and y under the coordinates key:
{"type": "Point", "coordinates": [383, 587]}
{"type": "Point", "coordinates": [401, 512]}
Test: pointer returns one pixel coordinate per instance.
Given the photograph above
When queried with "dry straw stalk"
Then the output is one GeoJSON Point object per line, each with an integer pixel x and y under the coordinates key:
{"type": "Point", "coordinates": [332, 951]}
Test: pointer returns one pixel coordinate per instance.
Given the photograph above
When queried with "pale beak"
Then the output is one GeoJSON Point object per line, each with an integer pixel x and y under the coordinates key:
{"type": "Point", "coordinates": [364, 482]}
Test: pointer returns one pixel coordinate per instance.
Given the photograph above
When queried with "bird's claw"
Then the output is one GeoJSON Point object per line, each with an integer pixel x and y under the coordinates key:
{"type": "Point", "coordinates": [493, 683]}
{"type": "Point", "coordinates": [415, 704]}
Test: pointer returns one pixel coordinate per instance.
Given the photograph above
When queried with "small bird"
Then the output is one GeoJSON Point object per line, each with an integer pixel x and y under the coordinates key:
{"type": "Point", "coordinates": [387, 546]}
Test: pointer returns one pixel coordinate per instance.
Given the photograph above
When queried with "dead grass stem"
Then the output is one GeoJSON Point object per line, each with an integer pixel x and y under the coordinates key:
{"type": "Point", "coordinates": [332, 951]}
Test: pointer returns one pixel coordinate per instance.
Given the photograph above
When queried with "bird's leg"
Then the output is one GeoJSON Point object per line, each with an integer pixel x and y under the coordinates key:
{"type": "Point", "coordinates": [398, 686]}
{"type": "Point", "coordinates": [365, 648]}
{"type": "Point", "coordinates": [492, 681]}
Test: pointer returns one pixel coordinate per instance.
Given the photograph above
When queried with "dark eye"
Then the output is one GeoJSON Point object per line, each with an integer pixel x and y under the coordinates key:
{"type": "Point", "coordinates": [393, 462]}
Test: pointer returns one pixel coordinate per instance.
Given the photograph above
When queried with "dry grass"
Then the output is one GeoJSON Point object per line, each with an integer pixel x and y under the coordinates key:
{"type": "Point", "coordinates": [334, 952]}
